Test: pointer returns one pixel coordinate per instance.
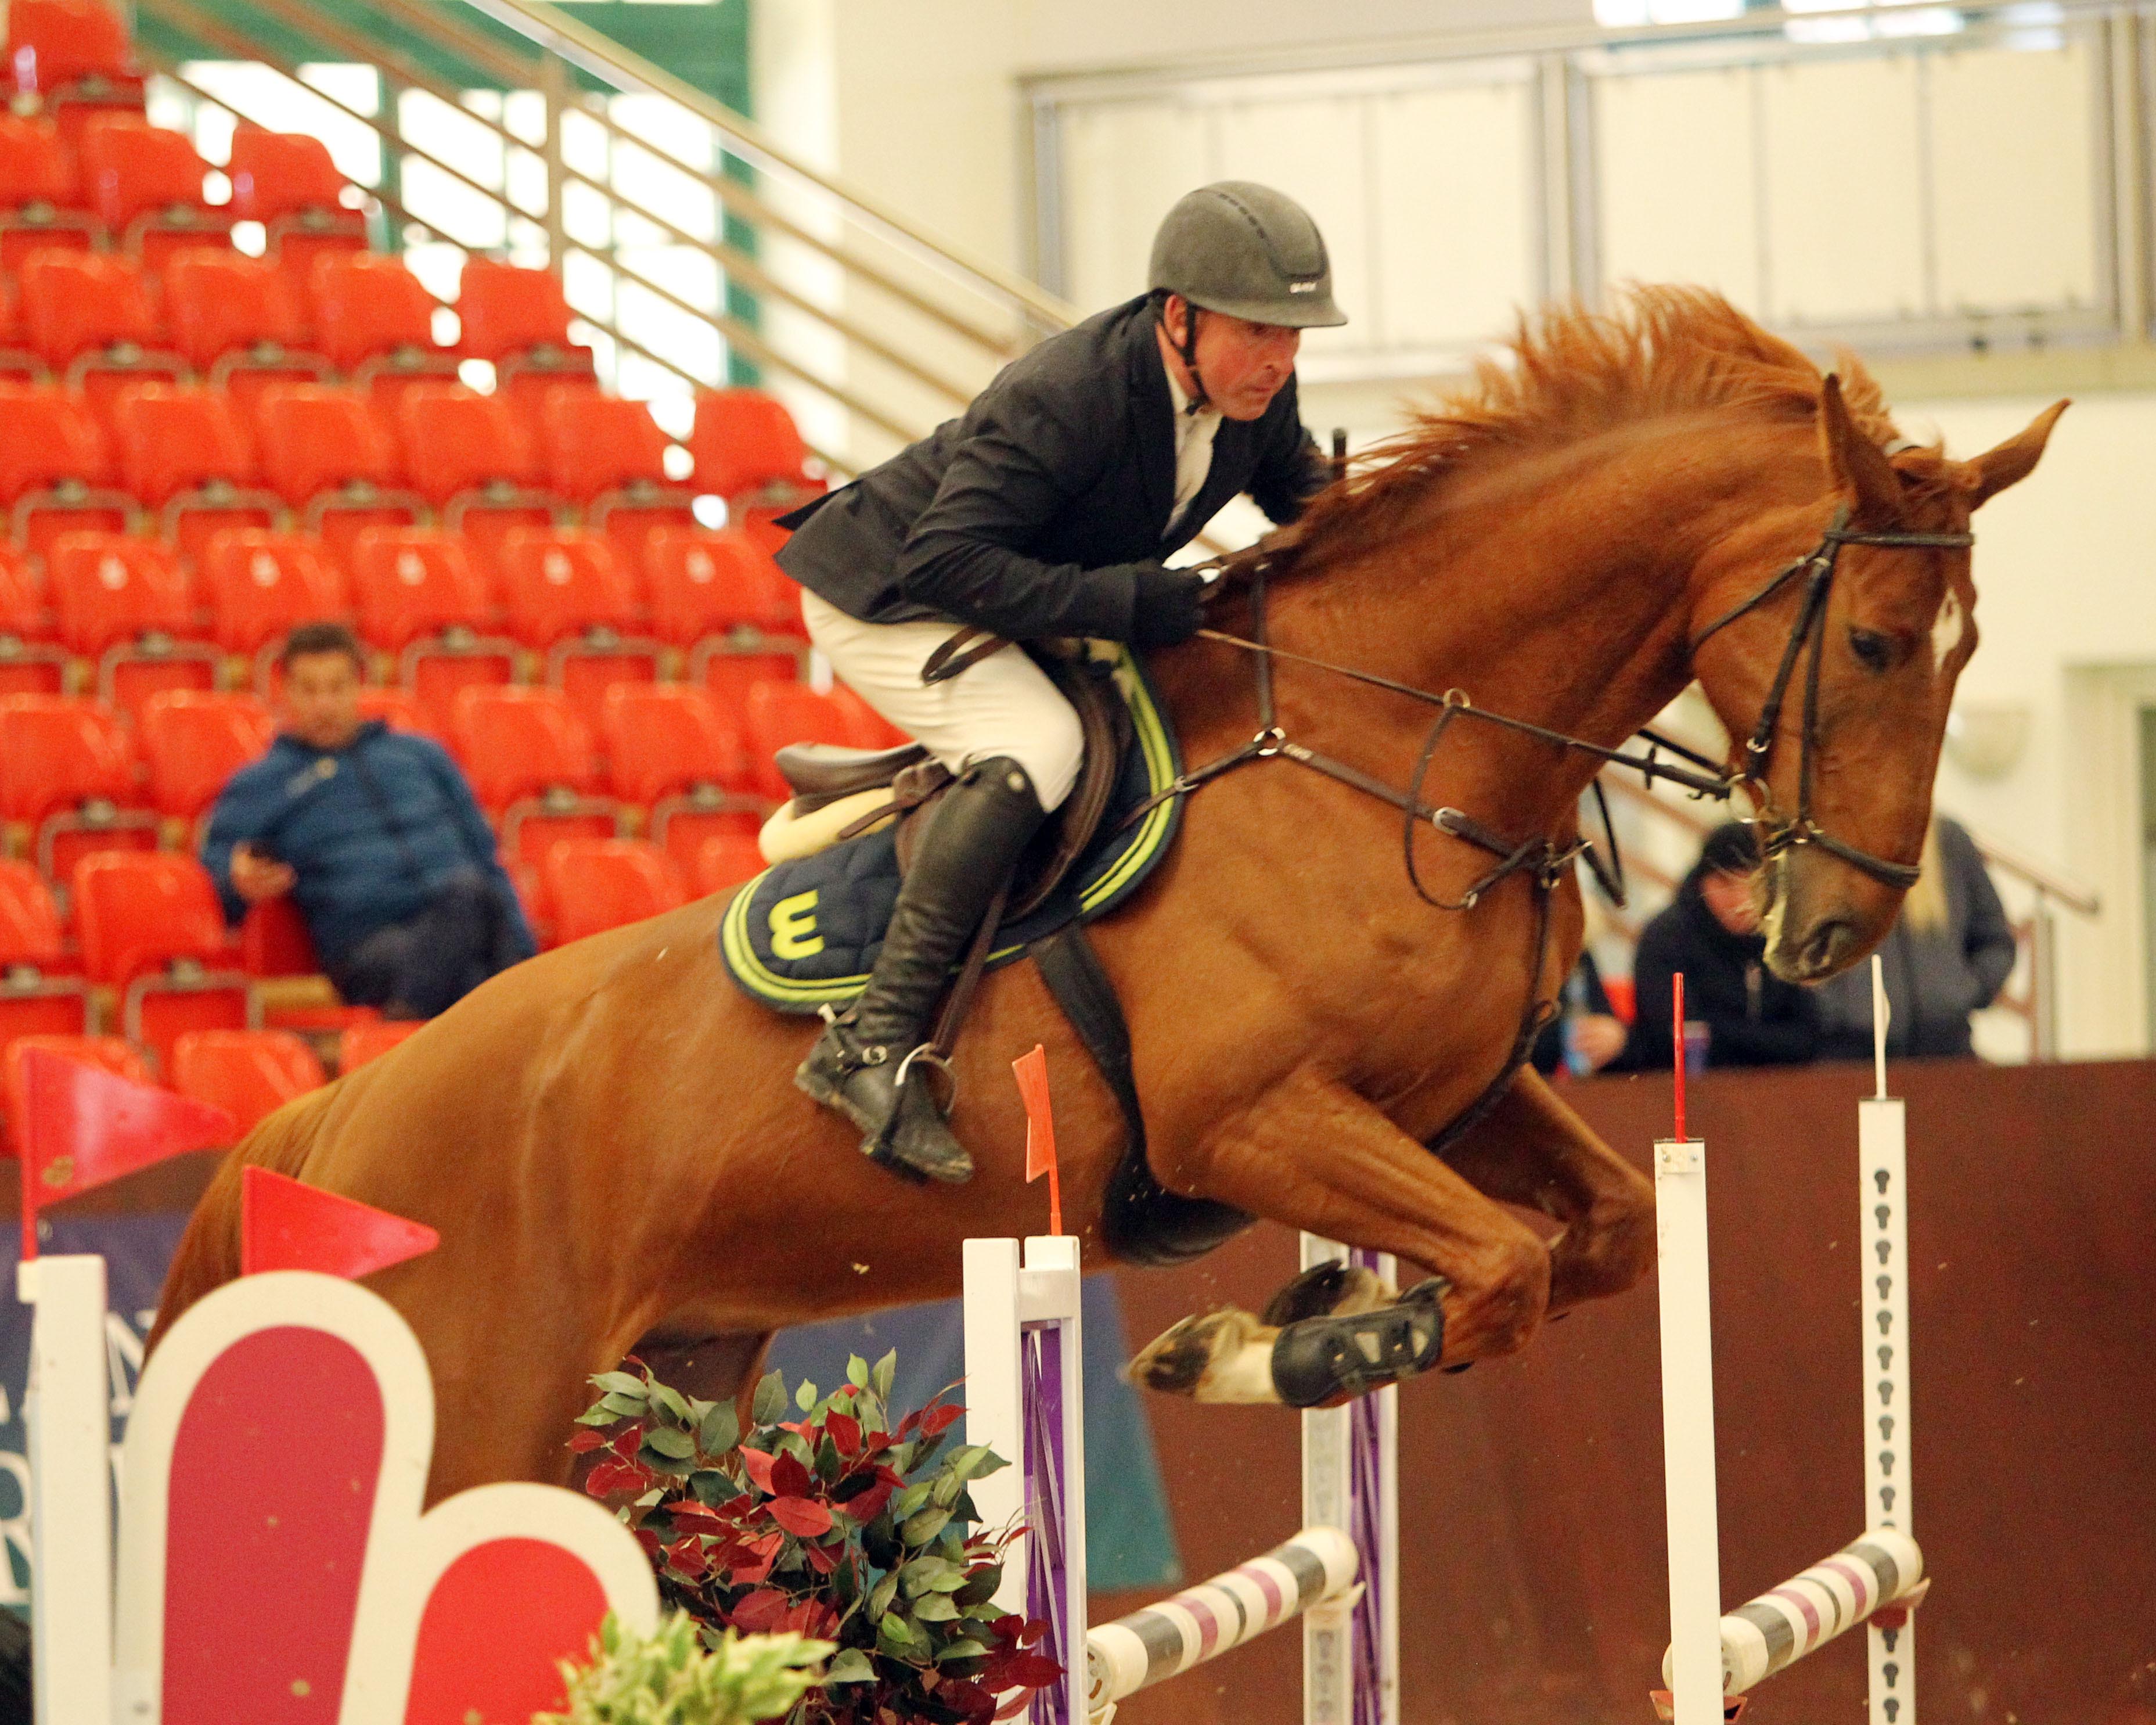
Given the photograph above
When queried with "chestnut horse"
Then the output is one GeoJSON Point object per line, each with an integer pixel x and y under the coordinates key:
{"type": "Point", "coordinates": [608, 1138]}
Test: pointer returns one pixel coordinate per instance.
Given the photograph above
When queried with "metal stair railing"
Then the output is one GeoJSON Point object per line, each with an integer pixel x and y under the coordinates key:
{"type": "Point", "coordinates": [971, 317]}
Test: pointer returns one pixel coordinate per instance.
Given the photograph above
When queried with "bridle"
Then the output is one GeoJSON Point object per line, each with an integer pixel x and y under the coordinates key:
{"type": "Point", "coordinates": [1817, 568]}
{"type": "Point", "coordinates": [1545, 860]}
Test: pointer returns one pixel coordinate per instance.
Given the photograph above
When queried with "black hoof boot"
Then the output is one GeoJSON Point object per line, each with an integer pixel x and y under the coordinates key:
{"type": "Point", "coordinates": [1322, 1360]}
{"type": "Point", "coordinates": [901, 1125]}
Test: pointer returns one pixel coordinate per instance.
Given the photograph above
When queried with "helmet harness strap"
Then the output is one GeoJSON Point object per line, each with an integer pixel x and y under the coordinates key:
{"type": "Point", "coordinates": [1187, 348]}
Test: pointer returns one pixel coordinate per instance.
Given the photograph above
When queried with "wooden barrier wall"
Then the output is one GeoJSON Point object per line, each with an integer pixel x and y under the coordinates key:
{"type": "Point", "coordinates": [1534, 1590]}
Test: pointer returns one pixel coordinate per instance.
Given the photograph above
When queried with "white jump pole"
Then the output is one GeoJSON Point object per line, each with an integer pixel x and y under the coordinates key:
{"type": "Point", "coordinates": [1876, 1580]}
{"type": "Point", "coordinates": [1351, 1651]}
{"type": "Point", "coordinates": [1889, 1488]}
{"type": "Point", "coordinates": [1024, 1396]}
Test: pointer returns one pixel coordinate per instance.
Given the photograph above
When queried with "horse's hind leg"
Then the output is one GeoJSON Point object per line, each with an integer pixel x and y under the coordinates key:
{"type": "Point", "coordinates": [1534, 1152]}
{"type": "Point", "coordinates": [1317, 1156]}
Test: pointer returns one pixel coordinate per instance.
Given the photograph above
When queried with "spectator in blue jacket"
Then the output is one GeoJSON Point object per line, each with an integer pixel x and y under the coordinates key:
{"type": "Point", "coordinates": [375, 834]}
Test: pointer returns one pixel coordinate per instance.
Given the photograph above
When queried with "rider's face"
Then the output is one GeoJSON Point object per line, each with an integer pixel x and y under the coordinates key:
{"type": "Point", "coordinates": [1243, 364]}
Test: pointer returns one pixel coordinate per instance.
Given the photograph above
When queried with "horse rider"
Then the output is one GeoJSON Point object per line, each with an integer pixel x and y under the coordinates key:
{"type": "Point", "coordinates": [1045, 510]}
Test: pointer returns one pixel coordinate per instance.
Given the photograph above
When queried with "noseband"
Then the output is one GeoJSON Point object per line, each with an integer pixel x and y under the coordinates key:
{"type": "Point", "coordinates": [1816, 568]}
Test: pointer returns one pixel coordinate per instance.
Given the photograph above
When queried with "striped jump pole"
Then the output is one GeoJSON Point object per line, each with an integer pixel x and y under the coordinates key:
{"type": "Point", "coordinates": [1024, 1398]}
{"type": "Point", "coordinates": [1714, 1660]}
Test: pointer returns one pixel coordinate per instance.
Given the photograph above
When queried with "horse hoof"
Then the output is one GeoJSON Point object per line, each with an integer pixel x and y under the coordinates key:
{"type": "Point", "coordinates": [1222, 1356]}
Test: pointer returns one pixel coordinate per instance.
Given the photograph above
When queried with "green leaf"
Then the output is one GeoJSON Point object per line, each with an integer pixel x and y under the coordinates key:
{"type": "Point", "coordinates": [906, 1502]}
{"type": "Point", "coordinates": [675, 1446]}
{"type": "Point", "coordinates": [770, 1399]}
{"type": "Point", "coordinates": [935, 1608]}
{"type": "Point", "coordinates": [857, 1371]}
{"type": "Point", "coordinates": [897, 1634]}
{"type": "Point", "coordinates": [669, 1400]}
{"type": "Point", "coordinates": [852, 1666]}
{"type": "Point", "coordinates": [922, 1573]}
{"type": "Point", "coordinates": [597, 1415]}
{"type": "Point", "coordinates": [620, 1383]}
{"type": "Point", "coordinates": [919, 1530]}
{"type": "Point", "coordinates": [963, 1649]}
{"type": "Point", "coordinates": [884, 1375]}
{"type": "Point", "coordinates": [624, 1407]}
{"type": "Point", "coordinates": [805, 1397]}
{"type": "Point", "coordinates": [720, 1429]}
{"type": "Point", "coordinates": [881, 1595]}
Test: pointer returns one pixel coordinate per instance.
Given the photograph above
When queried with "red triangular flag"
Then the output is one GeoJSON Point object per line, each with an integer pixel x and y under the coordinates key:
{"type": "Point", "coordinates": [83, 1125]}
{"type": "Point", "coordinates": [1031, 1070]}
{"type": "Point", "coordinates": [286, 1224]}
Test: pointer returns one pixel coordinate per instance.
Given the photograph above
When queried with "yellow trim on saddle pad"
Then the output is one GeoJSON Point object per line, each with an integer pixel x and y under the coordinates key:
{"type": "Point", "coordinates": [1154, 744]}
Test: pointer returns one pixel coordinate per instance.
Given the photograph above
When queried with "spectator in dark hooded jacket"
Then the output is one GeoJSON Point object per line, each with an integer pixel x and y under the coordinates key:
{"type": "Point", "coordinates": [1947, 955]}
{"type": "Point", "coordinates": [377, 837]}
{"type": "Point", "coordinates": [1711, 932]}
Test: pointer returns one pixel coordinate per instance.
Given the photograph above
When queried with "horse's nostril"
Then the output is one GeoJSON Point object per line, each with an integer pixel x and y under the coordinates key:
{"type": "Point", "coordinates": [1825, 946]}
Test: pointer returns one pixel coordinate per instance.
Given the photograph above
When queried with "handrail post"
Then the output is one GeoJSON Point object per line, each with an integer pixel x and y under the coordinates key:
{"type": "Point", "coordinates": [554, 88]}
{"type": "Point", "coordinates": [2043, 979]}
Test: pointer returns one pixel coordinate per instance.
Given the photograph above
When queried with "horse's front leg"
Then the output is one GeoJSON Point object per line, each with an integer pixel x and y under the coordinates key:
{"type": "Point", "coordinates": [1532, 1151]}
{"type": "Point", "coordinates": [1315, 1155]}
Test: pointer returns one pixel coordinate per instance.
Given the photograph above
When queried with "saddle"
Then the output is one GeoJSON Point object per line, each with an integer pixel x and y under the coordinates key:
{"type": "Point", "coordinates": [842, 793]}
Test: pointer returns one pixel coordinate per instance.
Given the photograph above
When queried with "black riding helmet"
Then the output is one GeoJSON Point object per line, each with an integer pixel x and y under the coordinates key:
{"type": "Point", "coordinates": [1246, 251]}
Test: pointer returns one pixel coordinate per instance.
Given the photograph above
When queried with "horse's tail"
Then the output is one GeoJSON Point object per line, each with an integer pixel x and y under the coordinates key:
{"type": "Point", "coordinates": [208, 1253]}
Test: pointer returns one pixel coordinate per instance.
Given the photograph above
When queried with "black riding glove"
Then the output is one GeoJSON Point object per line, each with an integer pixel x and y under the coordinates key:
{"type": "Point", "coordinates": [1170, 606]}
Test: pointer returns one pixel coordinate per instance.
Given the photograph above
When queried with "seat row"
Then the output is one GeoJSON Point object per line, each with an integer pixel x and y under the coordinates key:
{"type": "Point", "coordinates": [122, 614]}
{"type": "Point", "coordinates": [677, 767]}
{"type": "Point", "coordinates": [144, 953]}
{"type": "Point", "coordinates": [192, 459]}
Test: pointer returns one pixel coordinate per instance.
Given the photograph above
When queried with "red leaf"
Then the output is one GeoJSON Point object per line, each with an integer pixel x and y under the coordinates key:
{"type": "Point", "coordinates": [866, 1506]}
{"type": "Point", "coordinates": [759, 1466]}
{"type": "Point", "coordinates": [761, 1611]}
{"type": "Point", "coordinates": [941, 1418]}
{"type": "Point", "coordinates": [610, 1477]}
{"type": "Point", "coordinates": [626, 1444]}
{"type": "Point", "coordinates": [800, 1514]}
{"type": "Point", "coordinates": [821, 1559]}
{"type": "Point", "coordinates": [845, 1432]}
{"type": "Point", "coordinates": [587, 1441]}
{"type": "Point", "coordinates": [789, 1477]}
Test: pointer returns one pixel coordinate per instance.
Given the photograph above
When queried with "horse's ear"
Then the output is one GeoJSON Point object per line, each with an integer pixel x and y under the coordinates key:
{"type": "Point", "coordinates": [1855, 465]}
{"type": "Point", "coordinates": [2014, 459]}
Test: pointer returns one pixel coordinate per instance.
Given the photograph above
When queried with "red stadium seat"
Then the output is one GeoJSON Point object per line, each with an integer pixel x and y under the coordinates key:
{"type": "Point", "coordinates": [74, 57]}
{"type": "Point", "coordinates": [376, 322]}
{"type": "Point", "coordinates": [250, 1073]}
{"type": "Point", "coordinates": [609, 456]}
{"type": "Point", "coordinates": [748, 451]}
{"type": "Point", "coordinates": [719, 595]}
{"type": "Point", "coordinates": [363, 1043]}
{"type": "Point", "coordinates": [529, 759]}
{"type": "Point", "coordinates": [567, 595]}
{"type": "Point", "coordinates": [287, 181]}
{"type": "Point", "coordinates": [126, 603]}
{"type": "Point", "coordinates": [327, 453]}
{"type": "Point", "coordinates": [184, 452]}
{"type": "Point", "coordinates": [193, 742]}
{"type": "Point", "coordinates": [518, 320]}
{"type": "Point", "coordinates": [419, 596]}
{"type": "Point", "coordinates": [237, 320]}
{"type": "Point", "coordinates": [466, 453]}
{"type": "Point", "coordinates": [782, 713]}
{"type": "Point", "coordinates": [37, 207]}
{"type": "Point", "coordinates": [32, 662]}
{"type": "Point", "coordinates": [112, 1052]}
{"type": "Point", "coordinates": [726, 862]}
{"type": "Point", "coordinates": [146, 184]}
{"type": "Point", "coordinates": [56, 474]}
{"type": "Point", "coordinates": [152, 928]}
{"type": "Point", "coordinates": [263, 585]}
{"type": "Point", "coordinates": [597, 884]}
{"type": "Point", "coordinates": [71, 781]}
{"type": "Point", "coordinates": [40, 994]}
{"type": "Point", "coordinates": [292, 994]}
{"type": "Point", "coordinates": [671, 752]}
{"type": "Point", "coordinates": [89, 317]}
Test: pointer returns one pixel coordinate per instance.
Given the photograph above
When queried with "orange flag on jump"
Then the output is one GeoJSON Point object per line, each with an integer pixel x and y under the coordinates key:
{"type": "Point", "coordinates": [287, 1224]}
{"type": "Point", "coordinates": [83, 1125]}
{"type": "Point", "coordinates": [1032, 1073]}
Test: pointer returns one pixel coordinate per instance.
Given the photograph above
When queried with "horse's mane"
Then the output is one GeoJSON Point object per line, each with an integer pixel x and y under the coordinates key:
{"type": "Point", "coordinates": [1574, 373]}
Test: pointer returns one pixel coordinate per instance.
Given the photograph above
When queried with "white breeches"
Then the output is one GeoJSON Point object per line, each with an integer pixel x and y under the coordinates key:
{"type": "Point", "coordinates": [1003, 706]}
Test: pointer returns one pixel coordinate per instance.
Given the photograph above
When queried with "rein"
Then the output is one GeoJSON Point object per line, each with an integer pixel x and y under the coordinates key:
{"type": "Point", "coordinates": [1545, 860]}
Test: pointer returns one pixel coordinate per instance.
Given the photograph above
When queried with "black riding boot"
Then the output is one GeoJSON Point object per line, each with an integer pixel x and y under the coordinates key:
{"type": "Point", "coordinates": [860, 1065]}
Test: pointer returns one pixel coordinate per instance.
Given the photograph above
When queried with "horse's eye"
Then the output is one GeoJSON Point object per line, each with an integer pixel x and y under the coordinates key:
{"type": "Point", "coordinates": [1875, 649]}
